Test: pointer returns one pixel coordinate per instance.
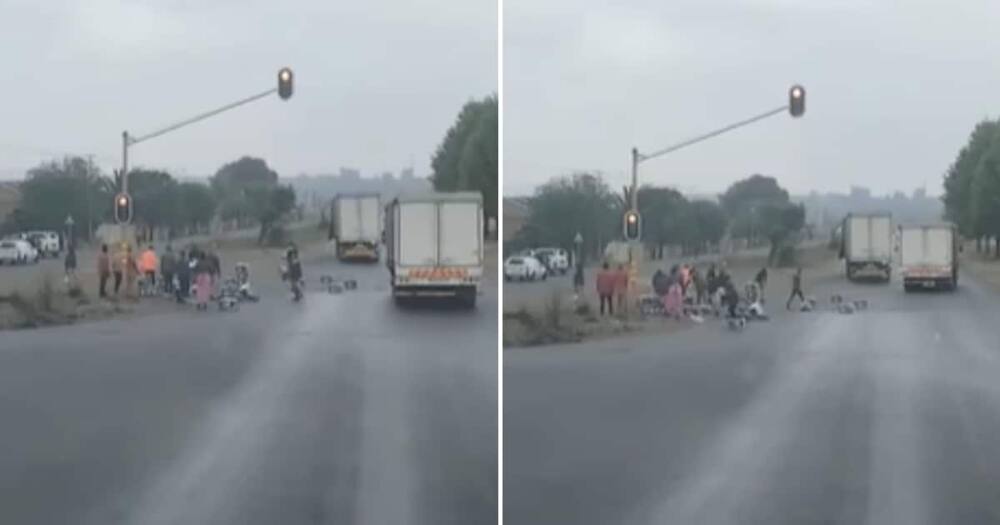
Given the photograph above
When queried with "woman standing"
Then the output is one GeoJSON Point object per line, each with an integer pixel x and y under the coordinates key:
{"type": "Point", "coordinates": [203, 281]}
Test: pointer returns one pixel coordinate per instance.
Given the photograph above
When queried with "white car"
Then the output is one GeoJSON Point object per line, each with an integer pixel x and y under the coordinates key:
{"type": "Point", "coordinates": [47, 242]}
{"type": "Point", "coordinates": [16, 251]}
{"type": "Point", "coordinates": [523, 268]}
{"type": "Point", "coordinates": [556, 258]}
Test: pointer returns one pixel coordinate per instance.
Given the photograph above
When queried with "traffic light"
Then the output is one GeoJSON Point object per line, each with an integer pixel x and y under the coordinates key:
{"type": "Point", "coordinates": [123, 208]}
{"type": "Point", "coordinates": [797, 100]}
{"type": "Point", "coordinates": [632, 226]}
{"type": "Point", "coordinates": [285, 79]}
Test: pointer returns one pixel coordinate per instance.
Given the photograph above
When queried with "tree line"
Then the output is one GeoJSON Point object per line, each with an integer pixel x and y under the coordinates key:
{"type": "Point", "coordinates": [756, 209]}
{"type": "Point", "coordinates": [245, 192]}
{"type": "Point", "coordinates": [466, 159]}
{"type": "Point", "coordinates": [972, 186]}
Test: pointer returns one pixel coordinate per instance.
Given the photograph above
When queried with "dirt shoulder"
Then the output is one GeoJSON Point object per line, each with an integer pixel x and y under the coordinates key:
{"type": "Point", "coordinates": [983, 265]}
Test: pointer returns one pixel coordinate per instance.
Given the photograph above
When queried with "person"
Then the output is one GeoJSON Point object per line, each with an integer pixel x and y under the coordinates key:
{"type": "Point", "coordinates": [147, 265]}
{"type": "Point", "coordinates": [131, 272]}
{"type": "Point", "coordinates": [731, 297]}
{"type": "Point", "coordinates": [711, 280]}
{"type": "Point", "coordinates": [215, 268]}
{"type": "Point", "coordinates": [684, 278]}
{"type": "Point", "coordinates": [294, 271]}
{"type": "Point", "coordinates": [672, 303]}
{"type": "Point", "coordinates": [661, 283]}
{"type": "Point", "coordinates": [578, 279]}
{"type": "Point", "coordinates": [606, 288]}
{"type": "Point", "coordinates": [71, 265]}
{"type": "Point", "coordinates": [761, 280]}
{"type": "Point", "coordinates": [621, 287]}
{"type": "Point", "coordinates": [118, 268]}
{"type": "Point", "coordinates": [203, 281]}
{"type": "Point", "coordinates": [699, 286]}
{"type": "Point", "coordinates": [796, 289]}
{"type": "Point", "coordinates": [103, 270]}
{"type": "Point", "coordinates": [168, 268]}
{"type": "Point", "coordinates": [183, 271]}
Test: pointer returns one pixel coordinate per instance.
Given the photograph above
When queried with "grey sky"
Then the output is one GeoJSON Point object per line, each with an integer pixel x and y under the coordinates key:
{"type": "Point", "coordinates": [377, 82]}
{"type": "Point", "coordinates": [894, 89]}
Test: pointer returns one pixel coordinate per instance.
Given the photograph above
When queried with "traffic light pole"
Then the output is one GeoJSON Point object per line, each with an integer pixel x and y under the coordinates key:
{"type": "Point", "coordinates": [635, 248]}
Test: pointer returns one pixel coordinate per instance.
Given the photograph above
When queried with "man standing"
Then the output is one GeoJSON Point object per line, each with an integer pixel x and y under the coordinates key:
{"type": "Point", "coordinates": [104, 270]}
{"type": "Point", "coordinates": [183, 272]}
{"type": "Point", "coordinates": [118, 268]}
{"type": "Point", "coordinates": [168, 267]}
{"type": "Point", "coordinates": [606, 288]}
{"type": "Point", "coordinates": [148, 265]}
{"type": "Point", "coordinates": [621, 287]}
{"type": "Point", "coordinates": [796, 289]}
{"type": "Point", "coordinates": [761, 279]}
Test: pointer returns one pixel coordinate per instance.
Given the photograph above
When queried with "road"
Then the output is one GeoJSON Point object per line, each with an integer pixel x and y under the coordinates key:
{"type": "Point", "coordinates": [890, 415]}
{"type": "Point", "coordinates": [343, 409]}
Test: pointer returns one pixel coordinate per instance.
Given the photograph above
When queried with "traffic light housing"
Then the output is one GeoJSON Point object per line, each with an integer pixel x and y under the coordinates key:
{"type": "Point", "coordinates": [632, 225]}
{"type": "Point", "coordinates": [123, 208]}
{"type": "Point", "coordinates": [285, 83]}
{"type": "Point", "coordinates": [797, 100]}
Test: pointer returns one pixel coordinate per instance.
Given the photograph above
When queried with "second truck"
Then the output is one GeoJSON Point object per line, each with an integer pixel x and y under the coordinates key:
{"type": "Point", "coordinates": [929, 256]}
{"type": "Point", "coordinates": [867, 245]}
{"type": "Point", "coordinates": [356, 226]}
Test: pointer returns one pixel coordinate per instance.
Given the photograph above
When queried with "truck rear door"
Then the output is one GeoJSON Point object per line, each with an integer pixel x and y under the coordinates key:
{"type": "Point", "coordinates": [460, 243]}
{"type": "Point", "coordinates": [368, 213]}
{"type": "Point", "coordinates": [417, 235]}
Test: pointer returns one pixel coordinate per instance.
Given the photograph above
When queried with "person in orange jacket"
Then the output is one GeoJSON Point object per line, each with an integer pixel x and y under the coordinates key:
{"type": "Point", "coordinates": [148, 263]}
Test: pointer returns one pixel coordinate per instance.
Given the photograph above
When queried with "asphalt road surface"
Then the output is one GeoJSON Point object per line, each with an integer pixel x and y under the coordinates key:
{"type": "Point", "coordinates": [343, 409]}
{"type": "Point", "coordinates": [891, 415]}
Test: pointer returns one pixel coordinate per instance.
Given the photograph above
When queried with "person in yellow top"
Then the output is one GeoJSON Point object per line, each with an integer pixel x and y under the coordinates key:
{"type": "Point", "coordinates": [148, 263]}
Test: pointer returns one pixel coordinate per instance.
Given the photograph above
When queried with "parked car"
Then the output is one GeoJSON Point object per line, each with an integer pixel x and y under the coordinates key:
{"type": "Point", "coordinates": [47, 242]}
{"type": "Point", "coordinates": [523, 268]}
{"type": "Point", "coordinates": [17, 251]}
{"type": "Point", "coordinates": [556, 259]}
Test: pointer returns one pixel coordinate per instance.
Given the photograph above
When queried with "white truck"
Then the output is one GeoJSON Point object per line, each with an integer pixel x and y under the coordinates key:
{"type": "Point", "coordinates": [867, 245]}
{"type": "Point", "coordinates": [355, 223]}
{"type": "Point", "coordinates": [434, 246]}
{"type": "Point", "coordinates": [929, 256]}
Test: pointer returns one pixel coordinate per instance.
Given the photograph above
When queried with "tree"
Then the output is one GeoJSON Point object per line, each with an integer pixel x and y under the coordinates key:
{"type": "Point", "coordinates": [248, 189]}
{"type": "Point", "coordinates": [984, 205]}
{"type": "Point", "coordinates": [663, 212]}
{"type": "Point", "coordinates": [57, 189]}
{"type": "Point", "coordinates": [154, 197]}
{"type": "Point", "coordinates": [707, 221]}
{"type": "Point", "coordinates": [581, 203]}
{"type": "Point", "coordinates": [780, 222]}
{"type": "Point", "coordinates": [743, 199]}
{"type": "Point", "coordinates": [958, 180]}
{"type": "Point", "coordinates": [467, 159]}
{"type": "Point", "coordinates": [195, 206]}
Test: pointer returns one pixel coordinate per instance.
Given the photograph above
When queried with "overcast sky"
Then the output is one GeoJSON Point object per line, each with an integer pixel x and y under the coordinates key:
{"type": "Point", "coordinates": [893, 91]}
{"type": "Point", "coordinates": [378, 82]}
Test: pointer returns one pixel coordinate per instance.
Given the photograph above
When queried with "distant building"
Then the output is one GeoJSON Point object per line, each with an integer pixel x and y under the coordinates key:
{"type": "Point", "coordinates": [388, 177]}
{"type": "Point", "coordinates": [406, 174]}
{"type": "Point", "coordinates": [350, 174]}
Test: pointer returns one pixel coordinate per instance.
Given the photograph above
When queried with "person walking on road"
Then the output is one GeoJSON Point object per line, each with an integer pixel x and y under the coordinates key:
{"type": "Point", "coordinates": [761, 280]}
{"type": "Point", "coordinates": [104, 270]}
{"type": "Point", "coordinates": [606, 288]}
{"type": "Point", "coordinates": [699, 286]}
{"type": "Point", "coordinates": [796, 289]}
{"type": "Point", "coordinates": [621, 288]}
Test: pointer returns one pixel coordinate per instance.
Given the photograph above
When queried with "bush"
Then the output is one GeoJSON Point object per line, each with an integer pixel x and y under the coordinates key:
{"type": "Point", "coordinates": [553, 311]}
{"type": "Point", "coordinates": [46, 294]}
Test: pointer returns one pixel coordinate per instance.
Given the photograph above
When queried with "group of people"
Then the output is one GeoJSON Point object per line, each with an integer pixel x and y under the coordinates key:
{"type": "Point", "coordinates": [177, 272]}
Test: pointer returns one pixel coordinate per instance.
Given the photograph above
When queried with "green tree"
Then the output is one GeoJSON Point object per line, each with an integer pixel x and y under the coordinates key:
{"type": "Point", "coordinates": [664, 217]}
{"type": "Point", "coordinates": [984, 205]}
{"type": "Point", "coordinates": [581, 203]}
{"type": "Point", "coordinates": [467, 158]}
{"type": "Point", "coordinates": [707, 221]}
{"type": "Point", "coordinates": [248, 189]}
{"type": "Point", "coordinates": [154, 197]}
{"type": "Point", "coordinates": [958, 180]}
{"type": "Point", "coordinates": [744, 199]}
{"type": "Point", "coordinates": [780, 223]}
{"type": "Point", "coordinates": [57, 189]}
{"type": "Point", "coordinates": [195, 206]}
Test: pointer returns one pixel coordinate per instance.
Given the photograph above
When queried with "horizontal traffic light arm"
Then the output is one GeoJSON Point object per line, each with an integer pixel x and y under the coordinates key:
{"type": "Point", "coordinates": [203, 116]}
{"type": "Point", "coordinates": [646, 156]}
